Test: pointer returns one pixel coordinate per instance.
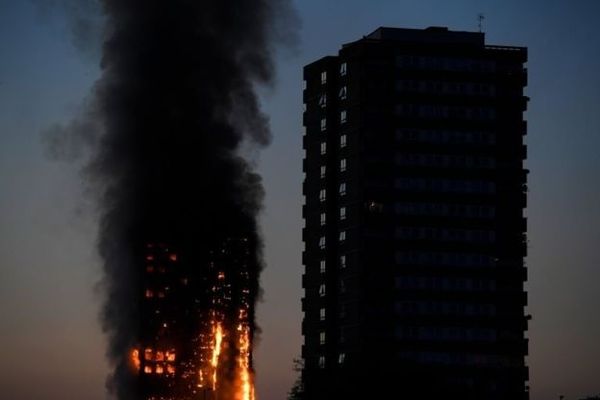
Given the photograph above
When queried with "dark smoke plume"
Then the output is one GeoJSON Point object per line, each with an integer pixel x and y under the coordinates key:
{"type": "Point", "coordinates": [176, 101]}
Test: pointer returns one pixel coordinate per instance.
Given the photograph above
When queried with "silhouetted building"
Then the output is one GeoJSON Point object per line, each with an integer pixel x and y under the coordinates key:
{"type": "Point", "coordinates": [414, 228]}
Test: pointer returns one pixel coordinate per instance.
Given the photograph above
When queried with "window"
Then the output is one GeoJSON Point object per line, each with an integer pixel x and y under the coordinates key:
{"type": "Point", "coordinates": [322, 195]}
{"type": "Point", "coordinates": [342, 286]}
{"type": "Point", "coordinates": [343, 261]}
{"type": "Point", "coordinates": [323, 77]}
{"type": "Point", "coordinates": [322, 290]}
{"type": "Point", "coordinates": [321, 361]}
{"type": "Point", "coordinates": [343, 93]}
{"type": "Point", "coordinates": [343, 69]}
{"type": "Point", "coordinates": [323, 171]}
{"type": "Point", "coordinates": [343, 116]}
{"type": "Point", "coordinates": [342, 189]}
{"type": "Point", "coordinates": [322, 314]}
{"type": "Point", "coordinates": [323, 100]}
{"type": "Point", "coordinates": [341, 358]}
{"type": "Point", "coordinates": [323, 147]}
{"type": "Point", "coordinates": [322, 242]}
{"type": "Point", "coordinates": [342, 236]}
{"type": "Point", "coordinates": [323, 124]}
{"type": "Point", "coordinates": [342, 213]}
{"type": "Point", "coordinates": [343, 141]}
{"type": "Point", "coordinates": [321, 338]}
{"type": "Point", "coordinates": [322, 266]}
{"type": "Point", "coordinates": [323, 219]}
{"type": "Point", "coordinates": [342, 165]}
{"type": "Point", "coordinates": [304, 85]}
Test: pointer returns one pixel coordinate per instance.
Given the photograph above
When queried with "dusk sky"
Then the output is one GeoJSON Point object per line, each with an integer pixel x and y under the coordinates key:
{"type": "Point", "coordinates": [53, 347]}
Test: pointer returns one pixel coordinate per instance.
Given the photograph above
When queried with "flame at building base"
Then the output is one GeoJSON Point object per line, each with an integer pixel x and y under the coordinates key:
{"type": "Point", "coordinates": [213, 359]}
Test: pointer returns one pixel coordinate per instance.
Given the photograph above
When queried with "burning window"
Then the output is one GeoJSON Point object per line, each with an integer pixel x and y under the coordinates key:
{"type": "Point", "coordinates": [159, 369]}
{"type": "Point", "coordinates": [149, 293]}
{"type": "Point", "coordinates": [148, 354]}
{"type": "Point", "coordinates": [160, 356]}
{"type": "Point", "coordinates": [147, 369]}
{"type": "Point", "coordinates": [173, 257]}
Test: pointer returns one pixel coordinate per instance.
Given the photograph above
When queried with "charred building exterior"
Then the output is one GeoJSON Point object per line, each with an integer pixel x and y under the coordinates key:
{"type": "Point", "coordinates": [415, 234]}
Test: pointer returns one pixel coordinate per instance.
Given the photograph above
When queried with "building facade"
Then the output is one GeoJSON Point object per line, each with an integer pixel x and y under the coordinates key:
{"type": "Point", "coordinates": [415, 234]}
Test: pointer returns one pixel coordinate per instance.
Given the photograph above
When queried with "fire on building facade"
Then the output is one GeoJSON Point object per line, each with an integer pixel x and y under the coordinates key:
{"type": "Point", "coordinates": [195, 337]}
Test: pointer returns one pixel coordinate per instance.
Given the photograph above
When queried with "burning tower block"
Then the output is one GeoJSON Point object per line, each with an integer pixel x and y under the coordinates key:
{"type": "Point", "coordinates": [196, 326]}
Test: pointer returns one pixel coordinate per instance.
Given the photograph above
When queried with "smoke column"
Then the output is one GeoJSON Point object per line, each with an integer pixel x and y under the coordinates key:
{"type": "Point", "coordinates": [175, 103]}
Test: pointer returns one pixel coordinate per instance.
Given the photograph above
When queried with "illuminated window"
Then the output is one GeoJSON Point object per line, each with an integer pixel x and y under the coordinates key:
{"type": "Point", "coordinates": [323, 219]}
{"type": "Point", "coordinates": [322, 314]}
{"type": "Point", "coordinates": [170, 369]}
{"type": "Point", "coordinates": [322, 195]}
{"type": "Point", "coordinates": [321, 338]}
{"type": "Point", "coordinates": [323, 124]}
{"type": "Point", "coordinates": [149, 293]}
{"type": "Point", "coordinates": [322, 266]}
{"type": "Point", "coordinates": [321, 361]}
{"type": "Point", "coordinates": [343, 69]}
{"type": "Point", "coordinates": [160, 356]}
{"type": "Point", "coordinates": [323, 171]}
{"type": "Point", "coordinates": [343, 93]}
{"type": "Point", "coordinates": [304, 84]}
{"type": "Point", "coordinates": [147, 369]}
{"type": "Point", "coordinates": [323, 100]}
{"type": "Point", "coordinates": [343, 116]}
{"type": "Point", "coordinates": [322, 290]}
{"type": "Point", "coordinates": [159, 369]}
{"type": "Point", "coordinates": [343, 165]}
{"type": "Point", "coordinates": [342, 213]}
{"type": "Point", "coordinates": [323, 147]}
{"type": "Point", "coordinates": [343, 141]}
{"type": "Point", "coordinates": [323, 77]}
{"type": "Point", "coordinates": [343, 261]}
{"type": "Point", "coordinates": [322, 242]}
{"type": "Point", "coordinates": [342, 236]}
{"type": "Point", "coordinates": [341, 358]}
{"type": "Point", "coordinates": [342, 189]}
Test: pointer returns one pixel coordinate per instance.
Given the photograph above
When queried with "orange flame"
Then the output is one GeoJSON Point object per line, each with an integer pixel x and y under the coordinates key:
{"type": "Point", "coordinates": [135, 359]}
{"type": "Point", "coordinates": [218, 335]}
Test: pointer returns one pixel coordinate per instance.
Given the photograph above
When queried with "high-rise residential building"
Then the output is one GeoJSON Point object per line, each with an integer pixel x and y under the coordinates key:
{"type": "Point", "coordinates": [415, 234]}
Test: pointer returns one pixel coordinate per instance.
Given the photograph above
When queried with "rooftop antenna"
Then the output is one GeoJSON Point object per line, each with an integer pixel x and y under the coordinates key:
{"type": "Point", "coordinates": [480, 18]}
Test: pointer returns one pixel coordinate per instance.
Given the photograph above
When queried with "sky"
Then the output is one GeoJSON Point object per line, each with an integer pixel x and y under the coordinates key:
{"type": "Point", "coordinates": [53, 346]}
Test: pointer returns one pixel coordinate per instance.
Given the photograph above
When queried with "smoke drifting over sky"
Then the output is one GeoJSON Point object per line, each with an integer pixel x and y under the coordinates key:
{"type": "Point", "coordinates": [164, 128]}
